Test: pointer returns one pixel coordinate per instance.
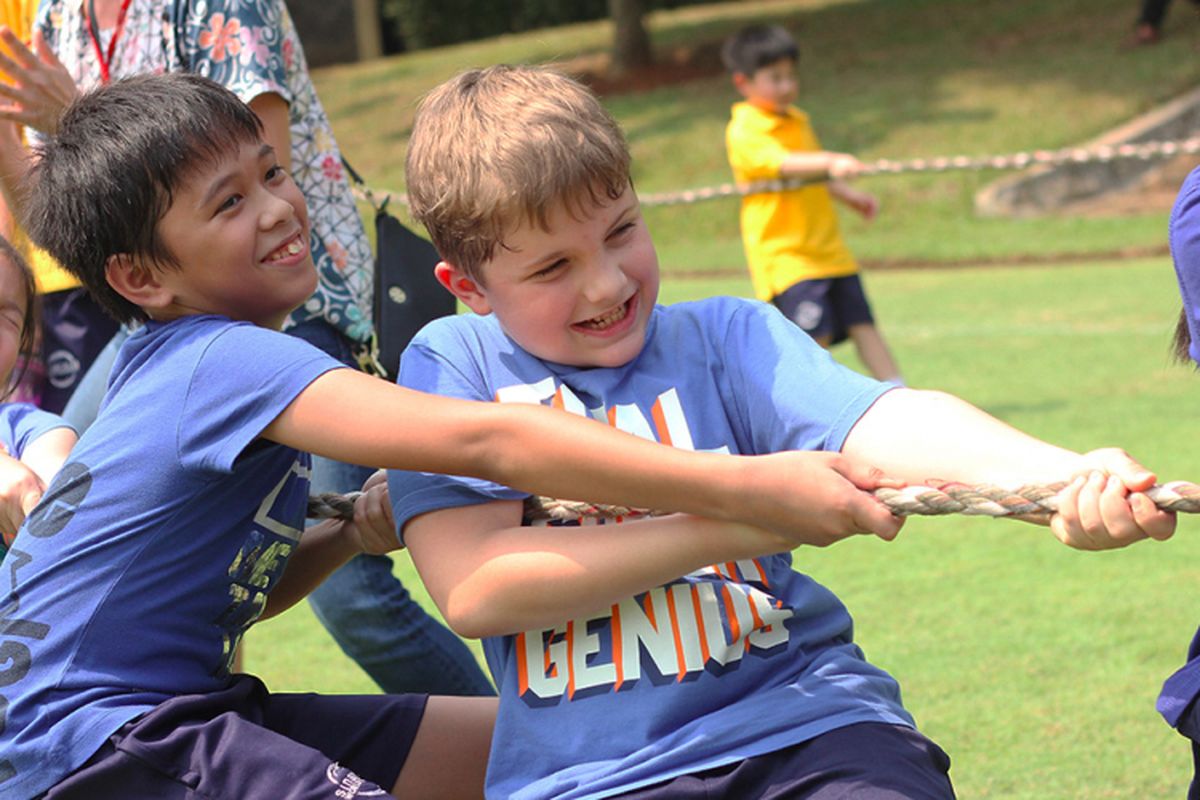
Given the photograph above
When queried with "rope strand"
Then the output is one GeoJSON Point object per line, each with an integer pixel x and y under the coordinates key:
{"type": "Point", "coordinates": [947, 498]}
{"type": "Point", "coordinates": [1143, 151]}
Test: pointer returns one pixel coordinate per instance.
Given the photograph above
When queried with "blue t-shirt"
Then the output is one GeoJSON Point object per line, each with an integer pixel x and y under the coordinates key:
{"type": "Point", "coordinates": [156, 544]}
{"type": "Point", "coordinates": [732, 661]}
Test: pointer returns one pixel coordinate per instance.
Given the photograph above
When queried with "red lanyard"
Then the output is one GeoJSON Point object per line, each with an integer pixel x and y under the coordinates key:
{"type": "Point", "coordinates": [93, 30]}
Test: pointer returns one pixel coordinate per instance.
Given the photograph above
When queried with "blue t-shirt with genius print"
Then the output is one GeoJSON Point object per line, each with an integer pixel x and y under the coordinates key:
{"type": "Point", "coordinates": [156, 544]}
{"type": "Point", "coordinates": [732, 661]}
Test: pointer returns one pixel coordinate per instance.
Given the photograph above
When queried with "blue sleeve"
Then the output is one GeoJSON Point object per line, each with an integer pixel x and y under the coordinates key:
{"type": "Point", "coordinates": [788, 392]}
{"type": "Point", "coordinates": [245, 377]}
{"type": "Point", "coordinates": [242, 46]}
{"type": "Point", "coordinates": [1185, 249]}
{"type": "Point", "coordinates": [442, 363]}
{"type": "Point", "coordinates": [21, 424]}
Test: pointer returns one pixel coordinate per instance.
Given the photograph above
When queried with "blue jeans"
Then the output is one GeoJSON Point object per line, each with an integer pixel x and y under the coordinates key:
{"type": "Point", "coordinates": [366, 609]}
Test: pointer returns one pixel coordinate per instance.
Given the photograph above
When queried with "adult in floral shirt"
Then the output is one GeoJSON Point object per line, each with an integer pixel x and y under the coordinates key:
{"type": "Point", "coordinates": [251, 47]}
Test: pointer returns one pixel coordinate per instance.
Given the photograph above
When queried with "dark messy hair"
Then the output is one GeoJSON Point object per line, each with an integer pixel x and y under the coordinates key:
{"type": "Point", "coordinates": [29, 325]}
{"type": "Point", "coordinates": [103, 182]}
{"type": "Point", "coordinates": [758, 46]}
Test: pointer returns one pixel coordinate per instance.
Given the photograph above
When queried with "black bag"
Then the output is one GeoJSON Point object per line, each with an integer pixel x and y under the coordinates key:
{"type": "Point", "coordinates": [407, 295]}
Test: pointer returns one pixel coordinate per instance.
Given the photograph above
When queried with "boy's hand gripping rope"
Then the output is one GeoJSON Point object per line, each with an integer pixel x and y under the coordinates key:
{"type": "Point", "coordinates": [935, 500]}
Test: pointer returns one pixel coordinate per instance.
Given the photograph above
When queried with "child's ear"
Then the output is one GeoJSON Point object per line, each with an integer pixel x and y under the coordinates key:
{"type": "Point", "coordinates": [465, 288]}
{"type": "Point", "coordinates": [138, 283]}
{"type": "Point", "coordinates": [741, 82]}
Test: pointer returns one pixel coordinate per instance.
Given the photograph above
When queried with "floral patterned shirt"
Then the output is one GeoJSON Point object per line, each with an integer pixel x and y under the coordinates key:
{"type": "Point", "coordinates": [252, 48]}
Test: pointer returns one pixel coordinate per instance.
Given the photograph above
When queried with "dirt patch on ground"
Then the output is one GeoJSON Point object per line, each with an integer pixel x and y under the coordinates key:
{"type": "Point", "coordinates": [677, 66]}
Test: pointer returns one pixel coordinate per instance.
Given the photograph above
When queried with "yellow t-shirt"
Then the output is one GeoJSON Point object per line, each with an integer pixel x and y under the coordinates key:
{"type": "Point", "coordinates": [18, 15]}
{"type": "Point", "coordinates": [789, 236]}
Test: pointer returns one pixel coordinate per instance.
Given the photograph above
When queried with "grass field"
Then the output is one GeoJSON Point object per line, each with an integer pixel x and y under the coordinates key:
{"type": "Point", "coordinates": [1035, 666]}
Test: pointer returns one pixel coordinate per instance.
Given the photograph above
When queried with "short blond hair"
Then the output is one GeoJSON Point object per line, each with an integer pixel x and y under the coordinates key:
{"type": "Point", "coordinates": [494, 148]}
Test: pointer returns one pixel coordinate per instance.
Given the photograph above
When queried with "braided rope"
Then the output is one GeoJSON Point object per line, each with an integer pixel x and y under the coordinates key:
{"type": "Point", "coordinates": [946, 498]}
{"type": "Point", "coordinates": [328, 505]}
{"type": "Point", "coordinates": [1143, 151]}
{"type": "Point", "coordinates": [980, 500]}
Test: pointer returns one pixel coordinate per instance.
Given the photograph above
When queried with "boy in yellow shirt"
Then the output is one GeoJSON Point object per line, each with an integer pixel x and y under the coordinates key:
{"type": "Point", "coordinates": [797, 258]}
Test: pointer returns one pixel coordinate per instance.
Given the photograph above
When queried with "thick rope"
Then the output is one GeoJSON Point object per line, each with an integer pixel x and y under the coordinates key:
{"type": "Point", "coordinates": [947, 498]}
{"type": "Point", "coordinates": [328, 505]}
{"type": "Point", "coordinates": [1143, 151]}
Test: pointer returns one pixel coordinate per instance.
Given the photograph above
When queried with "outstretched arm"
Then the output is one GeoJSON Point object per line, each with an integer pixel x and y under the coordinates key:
{"type": "Point", "coordinates": [352, 417]}
{"type": "Point", "coordinates": [820, 164]}
{"type": "Point", "coordinates": [922, 436]}
{"type": "Point", "coordinates": [490, 576]}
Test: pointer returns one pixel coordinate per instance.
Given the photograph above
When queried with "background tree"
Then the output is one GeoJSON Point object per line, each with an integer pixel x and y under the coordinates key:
{"type": "Point", "coordinates": [631, 42]}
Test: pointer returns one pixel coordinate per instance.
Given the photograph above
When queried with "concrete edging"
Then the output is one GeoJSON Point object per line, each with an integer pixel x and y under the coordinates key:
{"type": "Point", "coordinates": [1047, 187]}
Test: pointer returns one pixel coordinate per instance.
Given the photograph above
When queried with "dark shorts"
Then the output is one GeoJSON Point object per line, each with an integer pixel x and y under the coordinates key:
{"type": "Point", "coordinates": [868, 761]}
{"type": "Point", "coordinates": [826, 308]}
{"type": "Point", "coordinates": [74, 331]}
{"type": "Point", "coordinates": [244, 742]}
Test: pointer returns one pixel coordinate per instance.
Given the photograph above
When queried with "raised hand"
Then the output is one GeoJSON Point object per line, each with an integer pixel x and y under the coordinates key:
{"type": "Point", "coordinates": [39, 87]}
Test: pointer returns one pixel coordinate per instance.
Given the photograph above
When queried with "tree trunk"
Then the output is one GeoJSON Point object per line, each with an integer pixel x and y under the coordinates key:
{"type": "Point", "coordinates": [631, 44]}
{"type": "Point", "coordinates": [367, 31]}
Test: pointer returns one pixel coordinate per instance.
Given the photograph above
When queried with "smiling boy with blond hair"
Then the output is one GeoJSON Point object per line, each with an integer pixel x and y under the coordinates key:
{"type": "Point", "coordinates": [628, 661]}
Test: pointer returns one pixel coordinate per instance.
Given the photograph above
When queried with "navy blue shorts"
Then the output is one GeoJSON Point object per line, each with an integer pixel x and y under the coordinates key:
{"type": "Point", "coordinates": [826, 308]}
{"type": "Point", "coordinates": [244, 742]}
{"type": "Point", "coordinates": [868, 761]}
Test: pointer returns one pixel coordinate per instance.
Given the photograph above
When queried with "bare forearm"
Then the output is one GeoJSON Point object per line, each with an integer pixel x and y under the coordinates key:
{"type": "Point", "coordinates": [597, 463]}
{"type": "Point", "coordinates": [805, 165]}
{"type": "Point", "coordinates": [528, 577]}
{"type": "Point", "coordinates": [539, 450]}
{"type": "Point", "coordinates": [922, 435]}
{"type": "Point", "coordinates": [321, 550]}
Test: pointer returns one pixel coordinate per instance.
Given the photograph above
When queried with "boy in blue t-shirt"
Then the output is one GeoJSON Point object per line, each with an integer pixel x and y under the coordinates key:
{"type": "Point", "coordinates": [167, 532]}
{"type": "Point", "coordinates": [616, 675]}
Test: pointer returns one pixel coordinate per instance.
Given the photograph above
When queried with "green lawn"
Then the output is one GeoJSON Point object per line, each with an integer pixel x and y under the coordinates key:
{"type": "Point", "coordinates": [1035, 666]}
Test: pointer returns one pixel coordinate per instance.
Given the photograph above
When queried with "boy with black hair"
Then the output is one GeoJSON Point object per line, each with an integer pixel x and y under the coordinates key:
{"type": "Point", "coordinates": [167, 532]}
{"type": "Point", "coordinates": [622, 671]}
{"type": "Point", "coordinates": [798, 260]}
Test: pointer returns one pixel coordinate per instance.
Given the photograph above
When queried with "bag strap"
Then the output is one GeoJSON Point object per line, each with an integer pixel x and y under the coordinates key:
{"type": "Point", "coordinates": [368, 355]}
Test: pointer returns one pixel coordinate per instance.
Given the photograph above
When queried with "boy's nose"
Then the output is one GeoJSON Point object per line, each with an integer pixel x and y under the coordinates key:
{"type": "Point", "coordinates": [605, 282]}
{"type": "Point", "coordinates": [277, 209]}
